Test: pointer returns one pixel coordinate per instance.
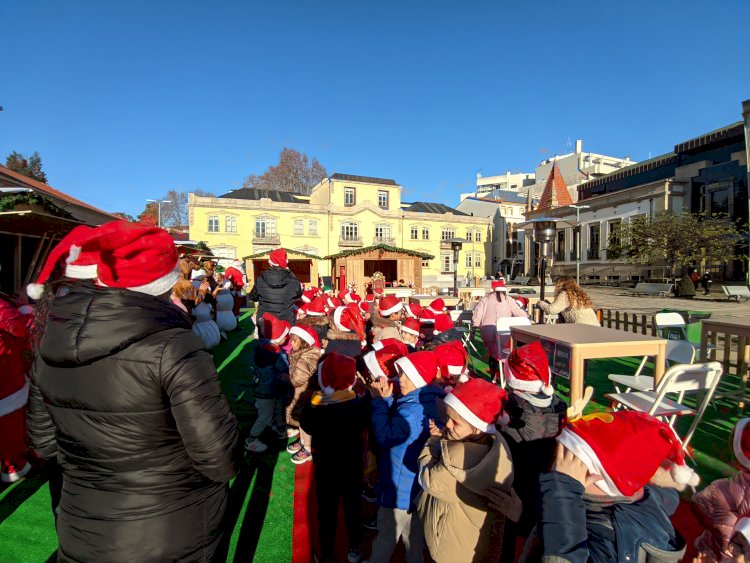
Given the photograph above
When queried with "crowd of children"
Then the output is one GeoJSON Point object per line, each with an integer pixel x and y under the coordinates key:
{"type": "Point", "coordinates": [379, 393]}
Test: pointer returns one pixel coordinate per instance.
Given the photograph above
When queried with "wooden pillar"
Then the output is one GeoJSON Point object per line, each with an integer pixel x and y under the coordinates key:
{"type": "Point", "coordinates": [32, 264]}
{"type": "Point", "coordinates": [17, 263]}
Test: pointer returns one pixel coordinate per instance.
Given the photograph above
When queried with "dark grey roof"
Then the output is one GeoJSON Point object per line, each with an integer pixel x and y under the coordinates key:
{"type": "Point", "coordinates": [439, 208]}
{"type": "Point", "coordinates": [500, 196]}
{"type": "Point", "coordinates": [368, 179]}
{"type": "Point", "coordinates": [273, 195]}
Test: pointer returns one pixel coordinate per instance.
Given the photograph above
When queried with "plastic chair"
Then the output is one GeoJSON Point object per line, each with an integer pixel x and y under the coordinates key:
{"type": "Point", "coordinates": [678, 352]}
{"type": "Point", "coordinates": [680, 379]}
{"type": "Point", "coordinates": [672, 327]}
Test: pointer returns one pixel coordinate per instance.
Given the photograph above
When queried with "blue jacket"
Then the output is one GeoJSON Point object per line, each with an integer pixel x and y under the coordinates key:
{"type": "Point", "coordinates": [268, 369]}
{"type": "Point", "coordinates": [581, 530]}
{"type": "Point", "coordinates": [401, 428]}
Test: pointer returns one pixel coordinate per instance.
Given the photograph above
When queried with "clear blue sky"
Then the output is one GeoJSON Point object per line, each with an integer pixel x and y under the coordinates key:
{"type": "Point", "coordinates": [125, 100]}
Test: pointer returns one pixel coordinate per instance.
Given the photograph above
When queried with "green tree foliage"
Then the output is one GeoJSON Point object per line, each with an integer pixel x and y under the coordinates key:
{"type": "Point", "coordinates": [31, 167]}
{"type": "Point", "coordinates": [675, 239]}
{"type": "Point", "coordinates": [294, 173]}
{"type": "Point", "coordinates": [125, 216]}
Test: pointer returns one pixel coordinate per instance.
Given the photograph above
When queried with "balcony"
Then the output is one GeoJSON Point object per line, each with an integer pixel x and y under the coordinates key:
{"type": "Point", "coordinates": [266, 238]}
{"type": "Point", "coordinates": [593, 254]}
{"type": "Point", "coordinates": [351, 242]}
{"type": "Point", "coordinates": [384, 240]}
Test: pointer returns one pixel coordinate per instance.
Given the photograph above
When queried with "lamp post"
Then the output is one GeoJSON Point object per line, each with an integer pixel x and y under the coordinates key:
{"type": "Point", "coordinates": [578, 239]}
{"type": "Point", "coordinates": [544, 235]}
{"type": "Point", "coordinates": [456, 244]}
{"type": "Point", "coordinates": [746, 118]}
{"type": "Point", "coordinates": [158, 202]}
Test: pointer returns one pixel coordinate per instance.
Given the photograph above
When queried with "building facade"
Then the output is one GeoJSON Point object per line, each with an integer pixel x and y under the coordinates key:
{"type": "Point", "coordinates": [342, 212]}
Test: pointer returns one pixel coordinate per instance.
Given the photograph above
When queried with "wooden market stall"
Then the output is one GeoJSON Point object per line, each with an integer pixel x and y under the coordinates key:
{"type": "Point", "coordinates": [304, 266]}
{"type": "Point", "coordinates": [359, 264]}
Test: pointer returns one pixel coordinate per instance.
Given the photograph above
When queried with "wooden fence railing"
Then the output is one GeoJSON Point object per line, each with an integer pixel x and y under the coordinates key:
{"type": "Point", "coordinates": [629, 322]}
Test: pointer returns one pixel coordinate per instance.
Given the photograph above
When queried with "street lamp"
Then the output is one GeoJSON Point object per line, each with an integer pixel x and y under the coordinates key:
{"type": "Point", "coordinates": [544, 235]}
{"type": "Point", "coordinates": [746, 118]}
{"type": "Point", "coordinates": [456, 244]}
{"type": "Point", "coordinates": [578, 239]}
{"type": "Point", "coordinates": [158, 202]}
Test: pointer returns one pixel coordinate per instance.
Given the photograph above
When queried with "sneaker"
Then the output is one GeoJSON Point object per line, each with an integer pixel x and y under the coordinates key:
{"type": "Point", "coordinates": [291, 432]}
{"type": "Point", "coordinates": [294, 447]}
{"type": "Point", "coordinates": [354, 556]}
{"type": "Point", "coordinates": [371, 524]}
{"type": "Point", "coordinates": [254, 445]}
{"type": "Point", "coordinates": [302, 456]}
{"type": "Point", "coordinates": [369, 494]}
{"type": "Point", "coordinates": [11, 475]}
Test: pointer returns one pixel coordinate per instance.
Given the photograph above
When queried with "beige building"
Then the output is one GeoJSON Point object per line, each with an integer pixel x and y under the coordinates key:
{"type": "Point", "coordinates": [342, 212]}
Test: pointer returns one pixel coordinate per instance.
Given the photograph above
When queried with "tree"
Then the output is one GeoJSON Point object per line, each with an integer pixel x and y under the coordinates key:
{"type": "Point", "coordinates": [149, 216]}
{"type": "Point", "coordinates": [31, 167]}
{"type": "Point", "coordinates": [174, 213]}
{"type": "Point", "coordinates": [675, 239]}
{"type": "Point", "coordinates": [294, 173]}
{"type": "Point", "coordinates": [124, 216]}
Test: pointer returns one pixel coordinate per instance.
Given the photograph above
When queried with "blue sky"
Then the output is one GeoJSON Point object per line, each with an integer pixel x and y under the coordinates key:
{"type": "Point", "coordinates": [125, 100]}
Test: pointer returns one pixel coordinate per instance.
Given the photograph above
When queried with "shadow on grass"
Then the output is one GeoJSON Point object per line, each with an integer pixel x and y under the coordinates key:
{"type": "Point", "coordinates": [15, 495]}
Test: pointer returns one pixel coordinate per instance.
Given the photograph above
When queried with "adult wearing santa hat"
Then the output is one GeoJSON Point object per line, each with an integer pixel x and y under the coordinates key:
{"type": "Point", "coordinates": [236, 274]}
{"type": "Point", "coordinates": [118, 346]}
{"type": "Point", "coordinates": [490, 309]}
{"type": "Point", "coordinates": [277, 288]}
{"type": "Point", "coordinates": [458, 468]}
{"type": "Point", "coordinates": [603, 470]}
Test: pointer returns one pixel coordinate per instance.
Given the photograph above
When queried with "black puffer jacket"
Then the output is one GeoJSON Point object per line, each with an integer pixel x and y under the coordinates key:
{"type": "Point", "coordinates": [275, 291]}
{"type": "Point", "coordinates": [128, 400]}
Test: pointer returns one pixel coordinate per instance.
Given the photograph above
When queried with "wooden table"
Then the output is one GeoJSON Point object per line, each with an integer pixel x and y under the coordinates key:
{"type": "Point", "coordinates": [569, 345]}
{"type": "Point", "coordinates": [729, 327]}
{"type": "Point", "coordinates": [402, 293]}
{"type": "Point", "coordinates": [424, 300]}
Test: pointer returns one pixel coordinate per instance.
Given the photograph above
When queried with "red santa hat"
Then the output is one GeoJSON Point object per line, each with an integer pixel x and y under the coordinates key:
{"type": "Point", "coordinates": [420, 367]}
{"type": "Point", "coordinates": [741, 442]}
{"type": "Point", "coordinates": [333, 302]}
{"type": "Point", "coordinates": [77, 264]}
{"type": "Point", "coordinates": [364, 307]}
{"type": "Point", "coordinates": [346, 321]}
{"type": "Point", "coordinates": [307, 334]}
{"type": "Point", "coordinates": [443, 322]}
{"type": "Point", "coordinates": [309, 295]}
{"type": "Point", "coordinates": [389, 305]}
{"type": "Point", "coordinates": [626, 448]}
{"type": "Point", "coordinates": [274, 329]}
{"type": "Point", "coordinates": [370, 298]}
{"type": "Point", "coordinates": [427, 316]}
{"type": "Point", "coordinates": [527, 369]}
{"type": "Point", "coordinates": [452, 358]}
{"type": "Point", "coordinates": [382, 363]}
{"type": "Point", "coordinates": [278, 258]}
{"type": "Point", "coordinates": [316, 307]}
{"type": "Point", "coordinates": [499, 285]}
{"type": "Point", "coordinates": [336, 372]}
{"type": "Point", "coordinates": [413, 310]}
{"type": "Point", "coordinates": [354, 297]}
{"type": "Point", "coordinates": [437, 306]}
{"type": "Point", "coordinates": [411, 326]}
{"type": "Point", "coordinates": [380, 344]}
{"type": "Point", "coordinates": [480, 403]}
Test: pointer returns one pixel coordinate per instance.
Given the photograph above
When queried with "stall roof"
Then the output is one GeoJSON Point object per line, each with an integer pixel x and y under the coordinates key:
{"type": "Point", "coordinates": [288, 251]}
{"type": "Point", "coordinates": [34, 223]}
{"type": "Point", "coordinates": [383, 247]}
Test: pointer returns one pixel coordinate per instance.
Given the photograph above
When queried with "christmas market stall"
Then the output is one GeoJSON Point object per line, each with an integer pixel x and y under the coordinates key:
{"type": "Point", "coordinates": [303, 264]}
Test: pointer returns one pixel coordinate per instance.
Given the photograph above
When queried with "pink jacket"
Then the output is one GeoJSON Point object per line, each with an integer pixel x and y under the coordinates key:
{"type": "Point", "coordinates": [489, 310]}
{"type": "Point", "coordinates": [718, 507]}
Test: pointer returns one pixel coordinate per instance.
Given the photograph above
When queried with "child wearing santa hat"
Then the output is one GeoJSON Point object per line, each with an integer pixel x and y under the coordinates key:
{"type": "Point", "coordinates": [335, 418]}
{"type": "Point", "coordinates": [400, 428]}
{"type": "Point", "coordinates": [315, 317]}
{"type": "Point", "coordinates": [444, 330]}
{"type": "Point", "coordinates": [597, 503]}
{"type": "Point", "coordinates": [720, 507]}
{"type": "Point", "coordinates": [536, 416]}
{"type": "Point", "coordinates": [458, 467]}
{"type": "Point", "coordinates": [386, 319]}
{"type": "Point", "coordinates": [303, 365]}
{"type": "Point", "coordinates": [346, 332]}
{"type": "Point", "coordinates": [410, 333]}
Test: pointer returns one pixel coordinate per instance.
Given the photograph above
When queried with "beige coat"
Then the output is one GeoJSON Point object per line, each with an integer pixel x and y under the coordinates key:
{"type": "Point", "coordinates": [561, 304]}
{"type": "Point", "coordinates": [455, 476]}
{"type": "Point", "coordinates": [303, 366]}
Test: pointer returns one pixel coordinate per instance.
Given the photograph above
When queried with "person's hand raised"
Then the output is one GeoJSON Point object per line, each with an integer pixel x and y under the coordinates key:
{"type": "Point", "coordinates": [434, 430]}
{"type": "Point", "coordinates": [566, 462]}
{"type": "Point", "coordinates": [380, 388]}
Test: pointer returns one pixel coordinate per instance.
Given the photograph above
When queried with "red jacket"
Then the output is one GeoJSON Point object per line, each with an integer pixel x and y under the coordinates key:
{"type": "Point", "coordinates": [15, 357]}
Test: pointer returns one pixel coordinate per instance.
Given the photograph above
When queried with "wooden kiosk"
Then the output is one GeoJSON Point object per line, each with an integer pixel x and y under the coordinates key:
{"type": "Point", "coordinates": [304, 266]}
{"type": "Point", "coordinates": [359, 264]}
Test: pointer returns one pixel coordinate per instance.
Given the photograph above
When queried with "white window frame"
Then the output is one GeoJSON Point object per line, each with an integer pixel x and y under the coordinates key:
{"type": "Point", "coordinates": [415, 233]}
{"type": "Point", "coordinates": [383, 204]}
{"type": "Point", "coordinates": [468, 260]}
{"type": "Point", "coordinates": [447, 233]}
{"type": "Point", "coordinates": [425, 233]}
{"type": "Point", "coordinates": [478, 235]}
{"type": "Point", "coordinates": [299, 227]}
{"type": "Point", "coordinates": [350, 231]}
{"type": "Point", "coordinates": [446, 262]}
{"type": "Point", "coordinates": [312, 228]}
{"type": "Point", "coordinates": [230, 224]}
{"type": "Point", "coordinates": [347, 192]}
{"type": "Point", "coordinates": [269, 227]}
{"type": "Point", "coordinates": [213, 224]}
{"type": "Point", "coordinates": [469, 235]}
{"type": "Point", "coordinates": [385, 231]}
{"type": "Point", "coordinates": [477, 260]}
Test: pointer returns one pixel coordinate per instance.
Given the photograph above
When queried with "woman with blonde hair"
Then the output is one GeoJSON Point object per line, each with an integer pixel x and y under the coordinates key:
{"type": "Point", "coordinates": [571, 302]}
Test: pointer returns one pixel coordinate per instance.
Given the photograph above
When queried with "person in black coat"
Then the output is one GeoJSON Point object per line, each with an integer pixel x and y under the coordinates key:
{"type": "Point", "coordinates": [276, 290]}
{"type": "Point", "coordinates": [125, 397]}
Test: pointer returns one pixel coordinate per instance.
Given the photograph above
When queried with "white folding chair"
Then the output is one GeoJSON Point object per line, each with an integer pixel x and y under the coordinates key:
{"type": "Point", "coordinates": [672, 327]}
{"type": "Point", "coordinates": [678, 379]}
{"type": "Point", "coordinates": [678, 352]}
{"type": "Point", "coordinates": [503, 336]}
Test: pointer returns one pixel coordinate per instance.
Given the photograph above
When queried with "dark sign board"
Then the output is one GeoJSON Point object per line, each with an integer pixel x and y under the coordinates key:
{"type": "Point", "coordinates": [558, 356]}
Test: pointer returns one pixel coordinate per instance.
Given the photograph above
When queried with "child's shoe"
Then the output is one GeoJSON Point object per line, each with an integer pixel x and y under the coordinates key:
{"type": "Point", "coordinates": [302, 456]}
{"type": "Point", "coordinates": [254, 445]}
{"type": "Point", "coordinates": [354, 556]}
{"type": "Point", "coordinates": [294, 447]}
{"type": "Point", "coordinates": [11, 474]}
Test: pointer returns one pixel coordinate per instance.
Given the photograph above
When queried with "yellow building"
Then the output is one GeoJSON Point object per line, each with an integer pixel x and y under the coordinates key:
{"type": "Point", "coordinates": [342, 212]}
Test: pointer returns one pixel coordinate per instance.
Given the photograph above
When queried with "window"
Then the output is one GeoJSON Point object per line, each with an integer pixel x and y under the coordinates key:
{"type": "Point", "coordinates": [350, 196]}
{"type": "Point", "coordinates": [560, 245]}
{"type": "Point", "coordinates": [383, 233]}
{"type": "Point", "coordinates": [468, 260]}
{"type": "Point", "coordinates": [446, 234]}
{"type": "Point", "coordinates": [230, 224]}
{"type": "Point", "coordinates": [383, 199]}
{"type": "Point", "coordinates": [213, 224]}
{"type": "Point", "coordinates": [477, 260]}
{"type": "Point", "coordinates": [478, 236]}
{"type": "Point", "coordinates": [414, 233]}
{"type": "Point", "coordinates": [594, 234]}
{"type": "Point", "coordinates": [265, 227]}
{"type": "Point", "coordinates": [468, 236]}
{"type": "Point", "coordinates": [425, 263]}
{"type": "Point", "coordinates": [350, 231]}
{"type": "Point", "coordinates": [446, 262]}
{"type": "Point", "coordinates": [312, 228]}
{"type": "Point", "coordinates": [425, 233]}
{"type": "Point", "coordinates": [299, 227]}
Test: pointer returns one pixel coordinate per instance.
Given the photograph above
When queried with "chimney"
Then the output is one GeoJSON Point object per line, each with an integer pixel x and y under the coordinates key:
{"type": "Point", "coordinates": [579, 146]}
